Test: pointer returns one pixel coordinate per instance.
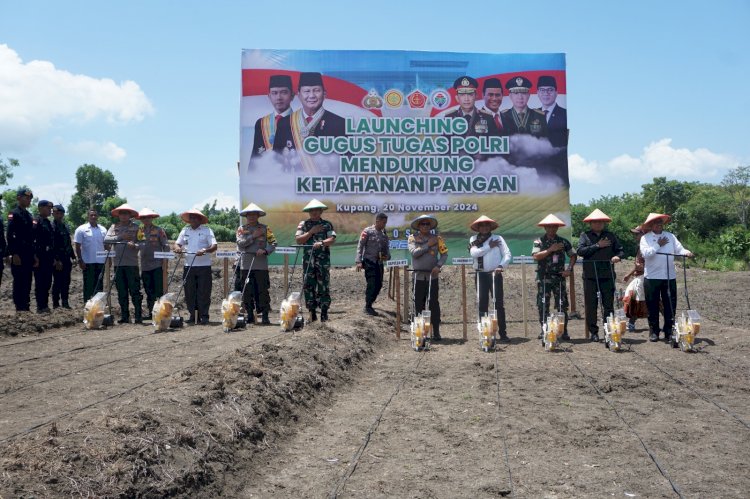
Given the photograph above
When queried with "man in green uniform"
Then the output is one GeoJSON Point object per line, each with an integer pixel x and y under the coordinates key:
{"type": "Point", "coordinates": [317, 235]}
{"type": "Point", "coordinates": [549, 252]}
{"type": "Point", "coordinates": [521, 118]}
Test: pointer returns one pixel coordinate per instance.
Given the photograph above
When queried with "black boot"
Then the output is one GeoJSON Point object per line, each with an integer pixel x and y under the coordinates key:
{"type": "Point", "coordinates": [369, 310]}
{"type": "Point", "coordinates": [125, 319]}
{"type": "Point", "coordinates": [264, 318]}
{"type": "Point", "coordinates": [250, 319]}
{"type": "Point", "coordinates": [65, 304]}
{"type": "Point", "coordinates": [313, 315]}
{"type": "Point", "coordinates": [323, 314]}
{"type": "Point", "coordinates": [594, 337]}
{"type": "Point", "coordinates": [436, 333]}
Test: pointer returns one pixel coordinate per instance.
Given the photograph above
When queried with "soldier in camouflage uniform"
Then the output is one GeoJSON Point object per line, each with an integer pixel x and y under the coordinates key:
{"type": "Point", "coordinates": [549, 252]}
{"type": "Point", "coordinates": [372, 250]}
{"type": "Point", "coordinates": [255, 242]}
{"type": "Point", "coordinates": [317, 235]}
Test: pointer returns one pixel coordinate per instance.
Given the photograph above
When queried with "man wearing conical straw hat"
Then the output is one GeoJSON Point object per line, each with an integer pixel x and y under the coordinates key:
{"type": "Point", "coordinates": [127, 278]}
{"type": "Point", "coordinates": [428, 255]}
{"type": "Point", "coordinates": [152, 238]}
{"type": "Point", "coordinates": [198, 240]}
{"type": "Point", "coordinates": [600, 250]}
{"type": "Point", "coordinates": [549, 253]}
{"type": "Point", "coordinates": [491, 256]}
{"type": "Point", "coordinates": [660, 281]}
{"type": "Point", "coordinates": [318, 236]}
{"type": "Point", "coordinates": [255, 241]}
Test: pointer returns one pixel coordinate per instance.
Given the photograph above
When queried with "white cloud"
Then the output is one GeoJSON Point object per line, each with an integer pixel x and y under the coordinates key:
{"type": "Point", "coordinates": [659, 159]}
{"type": "Point", "coordinates": [90, 150]}
{"type": "Point", "coordinates": [222, 201]}
{"type": "Point", "coordinates": [36, 95]}
{"type": "Point", "coordinates": [585, 171]}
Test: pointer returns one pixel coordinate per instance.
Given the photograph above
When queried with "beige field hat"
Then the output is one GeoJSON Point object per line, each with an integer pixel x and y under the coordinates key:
{"type": "Point", "coordinates": [433, 221]}
{"type": "Point", "coordinates": [314, 204]}
{"type": "Point", "coordinates": [253, 208]}
{"type": "Point", "coordinates": [124, 207]}
{"type": "Point", "coordinates": [551, 220]}
{"type": "Point", "coordinates": [653, 217]}
{"type": "Point", "coordinates": [597, 216]}
{"type": "Point", "coordinates": [185, 216]}
{"type": "Point", "coordinates": [147, 213]}
{"type": "Point", "coordinates": [483, 219]}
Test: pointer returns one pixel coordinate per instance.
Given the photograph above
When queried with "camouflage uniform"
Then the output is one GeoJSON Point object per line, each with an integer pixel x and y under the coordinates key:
{"type": "Point", "coordinates": [317, 281]}
{"type": "Point", "coordinates": [549, 279]}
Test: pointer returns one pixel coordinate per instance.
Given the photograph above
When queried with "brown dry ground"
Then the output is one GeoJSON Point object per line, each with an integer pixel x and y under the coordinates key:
{"type": "Point", "coordinates": [342, 409]}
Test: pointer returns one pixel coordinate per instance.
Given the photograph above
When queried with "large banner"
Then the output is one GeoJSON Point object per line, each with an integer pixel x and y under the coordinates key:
{"type": "Point", "coordinates": [455, 135]}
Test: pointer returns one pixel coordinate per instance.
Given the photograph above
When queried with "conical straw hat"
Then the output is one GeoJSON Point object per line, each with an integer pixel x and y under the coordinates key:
{"type": "Point", "coordinates": [253, 208]}
{"type": "Point", "coordinates": [124, 207]}
{"type": "Point", "coordinates": [551, 220]}
{"type": "Point", "coordinates": [652, 217]}
{"type": "Point", "coordinates": [597, 216]}
{"type": "Point", "coordinates": [483, 219]}
{"type": "Point", "coordinates": [185, 216]}
{"type": "Point", "coordinates": [147, 213]}
{"type": "Point", "coordinates": [314, 204]}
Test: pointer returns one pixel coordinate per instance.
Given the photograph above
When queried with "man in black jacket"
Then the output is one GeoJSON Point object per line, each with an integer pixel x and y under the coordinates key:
{"type": "Point", "coordinates": [64, 258]}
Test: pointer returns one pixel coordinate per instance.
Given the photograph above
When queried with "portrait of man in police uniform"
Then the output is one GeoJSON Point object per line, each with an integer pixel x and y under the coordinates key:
{"type": "Point", "coordinates": [281, 94]}
{"type": "Point", "coordinates": [479, 124]}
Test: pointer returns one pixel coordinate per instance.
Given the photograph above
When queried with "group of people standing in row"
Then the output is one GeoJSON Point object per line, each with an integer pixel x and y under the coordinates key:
{"type": "Point", "coordinates": [42, 249]}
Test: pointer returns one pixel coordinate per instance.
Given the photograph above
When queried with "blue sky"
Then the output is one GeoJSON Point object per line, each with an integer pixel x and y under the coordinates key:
{"type": "Point", "coordinates": [151, 89]}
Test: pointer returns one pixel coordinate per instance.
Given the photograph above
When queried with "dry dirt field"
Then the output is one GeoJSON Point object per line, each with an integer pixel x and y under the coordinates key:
{"type": "Point", "coordinates": [342, 409]}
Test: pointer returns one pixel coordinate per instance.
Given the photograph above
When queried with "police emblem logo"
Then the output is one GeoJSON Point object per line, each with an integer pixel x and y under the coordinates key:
{"type": "Point", "coordinates": [372, 100]}
{"type": "Point", "coordinates": [535, 126]}
{"type": "Point", "coordinates": [394, 98]}
{"type": "Point", "coordinates": [440, 98]}
{"type": "Point", "coordinates": [465, 82]}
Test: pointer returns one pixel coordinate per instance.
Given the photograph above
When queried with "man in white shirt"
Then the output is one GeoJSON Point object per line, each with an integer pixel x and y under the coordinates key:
{"type": "Point", "coordinates": [658, 247]}
{"type": "Point", "coordinates": [491, 255]}
{"type": "Point", "coordinates": [197, 241]}
{"type": "Point", "coordinates": [89, 239]}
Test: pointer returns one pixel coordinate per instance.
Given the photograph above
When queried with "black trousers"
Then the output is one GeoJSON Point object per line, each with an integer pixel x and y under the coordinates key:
{"type": "Point", "coordinates": [374, 278]}
{"type": "Point", "coordinates": [483, 282]}
{"type": "Point", "coordinates": [61, 283]}
{"type": "Point", "coordinates": [421, 288]}
{"type": "Point", "coordinates": [197, 290]}
{"type": "Point", "coordinates": [666, 291]}
{"type": "Point", "coordinates": [256, 297]}
{"type": "Point", "coordinates": [591, 302]}
{"type": "Point", "coordinates": [43, 283]}
{"type": "Point", "coordinates": [128, 283]}
{"type": "Point", "coordinates": [92, 283]}
{"type": "Point", "coordinates": [22, 285]}
{"type": "Point", "coordinates": [153, 286]}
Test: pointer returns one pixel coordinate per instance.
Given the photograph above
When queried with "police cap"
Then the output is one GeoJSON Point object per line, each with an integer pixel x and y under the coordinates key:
{"type": "Point", "coordinates": [58, 207]}
{"type": "Point", "coordinates": [518, 84]}
{"type": "Point", "coordinates": [24, 191]}
{"type": "Point", "coordinates": [43, 202]}
{"type": "Point", "coordinates": [465, 85]}
{"type": "Point", "coordinates": [280, 81]}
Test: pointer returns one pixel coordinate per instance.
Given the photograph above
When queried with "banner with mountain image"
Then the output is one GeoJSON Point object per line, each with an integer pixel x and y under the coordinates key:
{"type": "Point", "coordinates": [456, 135]}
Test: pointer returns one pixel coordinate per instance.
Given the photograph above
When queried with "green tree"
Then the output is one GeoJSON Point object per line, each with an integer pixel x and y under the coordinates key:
{"type": "Point", "coordinates": [93, 187]}
{"type": "Point", "coordinates": [6, 169]}
{"type": "Point", "coordinates": [737, 184]}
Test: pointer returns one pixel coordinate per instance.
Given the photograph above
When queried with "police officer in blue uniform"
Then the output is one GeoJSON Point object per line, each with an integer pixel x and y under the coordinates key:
{"type": "Point", "coordinates": [21, 249]}
{"type": "Point", "coordinates": [44, 251]}
{"type": "Point", "coordinates": [3, 250]}
{"type": "Point", "coordinates": [64, 258]}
